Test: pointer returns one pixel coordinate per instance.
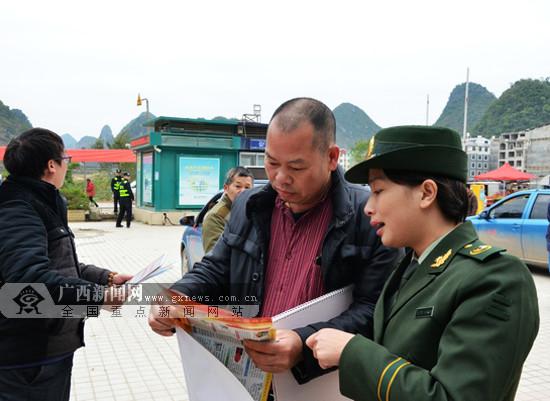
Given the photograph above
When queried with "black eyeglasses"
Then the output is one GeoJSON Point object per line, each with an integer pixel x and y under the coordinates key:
{"type": "Point", "coordinates": [66, 159]}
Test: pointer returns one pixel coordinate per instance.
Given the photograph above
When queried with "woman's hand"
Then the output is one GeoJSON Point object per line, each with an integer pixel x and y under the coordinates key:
{"type": "Point", "coordinates": [327, 346]}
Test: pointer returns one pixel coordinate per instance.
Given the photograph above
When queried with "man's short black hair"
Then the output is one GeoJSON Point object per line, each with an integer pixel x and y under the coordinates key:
{"type": "Point", "coordinates": [27, 155]}
{"type": "Point", "coordinates": [238, 171]}
{"type": "Point", "coordinates": [296, 111]}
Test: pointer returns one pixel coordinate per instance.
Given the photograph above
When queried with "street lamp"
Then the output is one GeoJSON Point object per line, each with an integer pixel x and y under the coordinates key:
{"type": "Point", "coordinates": [139, 100]}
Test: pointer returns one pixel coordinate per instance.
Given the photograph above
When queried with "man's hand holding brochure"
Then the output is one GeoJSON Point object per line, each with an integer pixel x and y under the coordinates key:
{"type": "Point", "coordinates": [216, 365]}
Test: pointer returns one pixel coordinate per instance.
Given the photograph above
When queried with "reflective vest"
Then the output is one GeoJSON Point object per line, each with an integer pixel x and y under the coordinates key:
{"type": "Point", "coordinates": [115, 183]}
{"type": "Point", "coordinates": [123, 187]}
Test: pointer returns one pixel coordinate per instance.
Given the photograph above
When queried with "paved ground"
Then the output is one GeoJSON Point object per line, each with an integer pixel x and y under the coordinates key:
{"type": "Point", "coordinates": [125, 360]}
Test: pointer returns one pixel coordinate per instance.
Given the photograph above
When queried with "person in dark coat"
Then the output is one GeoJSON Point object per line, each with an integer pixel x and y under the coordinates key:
{"type": "Point", "coordinates": [299, 237]}
{"type": "Point", "coordinates": [38, 261]}
{"type": "Point", "coordinates": [458, 317]}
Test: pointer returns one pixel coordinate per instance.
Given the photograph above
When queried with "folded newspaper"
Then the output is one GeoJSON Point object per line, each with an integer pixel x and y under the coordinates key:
{"type": "Point", "coordinates": [222, 333]}
{"type": "Point", "coordinates": [216, 366]}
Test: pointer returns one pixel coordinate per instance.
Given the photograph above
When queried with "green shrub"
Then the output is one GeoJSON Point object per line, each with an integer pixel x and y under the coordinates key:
{"type": "Point", "coordinates": [76, 196]}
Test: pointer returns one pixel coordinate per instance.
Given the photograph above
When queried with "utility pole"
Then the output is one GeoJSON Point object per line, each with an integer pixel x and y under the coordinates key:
{"type": "Point", "coordinates": [465, 125]}
{"type": "Point", "coordinates": [427, 109]}
{"type": "Point", "coordinates": [139, 103]}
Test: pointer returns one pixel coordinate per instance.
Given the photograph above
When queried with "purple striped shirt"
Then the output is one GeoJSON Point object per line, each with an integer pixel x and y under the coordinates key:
{"type": "Point", "coordinates": [293, 276]}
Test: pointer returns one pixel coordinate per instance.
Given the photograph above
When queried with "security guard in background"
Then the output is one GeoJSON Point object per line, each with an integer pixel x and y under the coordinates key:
{"type": "Point", "coordinates": [115, 182]}
{"type": "Point", "coordinates": [458, 317]}
{"type": "Point", "coordinates": [126, 197]}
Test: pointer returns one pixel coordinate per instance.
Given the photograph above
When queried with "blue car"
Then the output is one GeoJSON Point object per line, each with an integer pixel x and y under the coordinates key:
{"type": "Point", "coordinates": [518, 223]}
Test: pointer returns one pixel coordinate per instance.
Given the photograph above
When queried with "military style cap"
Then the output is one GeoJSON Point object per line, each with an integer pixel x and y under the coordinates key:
{"type": "Point", "coordinates": [126, 174]}
{"type": "Point", "coordinates": [117, 171]}
{"type": "Point", "coordinates": [424, 149]}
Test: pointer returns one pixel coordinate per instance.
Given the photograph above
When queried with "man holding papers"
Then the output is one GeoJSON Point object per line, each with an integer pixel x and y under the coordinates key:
{"type": "Point", "coordinates": [37, 251]}
{"type": "Point", "coordinates": [301, 236]}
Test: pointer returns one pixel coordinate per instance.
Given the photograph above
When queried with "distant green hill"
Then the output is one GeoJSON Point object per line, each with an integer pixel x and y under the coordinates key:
{"type": "Point", "coordinates": [525, 105]}
{"type": "Point", "coordinates": [86, 142]}
{"type": "Point", "coordinates": [135, 127]}
{"type": "Point", "coordinates": [12, 123]}
{"type": "Point", "coordinates": [69, 141]}
{"type": "Point", "coordinates": [479, 100]}
{"type": "Point", "coordinates": [352, 125]}
{"type": "Point", "coordinates": [106, 135]}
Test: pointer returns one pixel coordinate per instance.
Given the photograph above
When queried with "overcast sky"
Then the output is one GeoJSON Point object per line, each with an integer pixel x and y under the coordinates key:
{"type": "Point", "coordinates": [74, 66]}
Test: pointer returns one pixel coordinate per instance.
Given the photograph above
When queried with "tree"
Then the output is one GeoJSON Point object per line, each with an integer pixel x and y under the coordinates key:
{"type": "Point", "coordinates": [359, 151]}
{"type": "Point", "coordinates": [121, 140]}
{"type": "Point", "coordinates": [99, 144]}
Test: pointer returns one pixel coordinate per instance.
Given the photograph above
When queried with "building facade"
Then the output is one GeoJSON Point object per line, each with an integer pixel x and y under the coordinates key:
{"type": "Point", "coordinates": [527, 150]}
{"type": "Point", "coordinates": [537, 151]}
{"type": "Point", "coordinates": [479, 152]}
{"type": "Point", "coordinates": [343, 159]}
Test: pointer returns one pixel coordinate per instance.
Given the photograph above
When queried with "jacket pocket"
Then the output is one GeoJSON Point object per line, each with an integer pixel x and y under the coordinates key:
{"type": "Point", "coordinates": [350, 251]}
{"type": "Point", "coordinates": [244, 245]}
{"type": "Point", "coordinates": [57, 233]}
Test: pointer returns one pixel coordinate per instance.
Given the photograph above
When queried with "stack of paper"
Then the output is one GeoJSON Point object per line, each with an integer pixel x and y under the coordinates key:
{"type": "Point", "coordinates": [153, 269]}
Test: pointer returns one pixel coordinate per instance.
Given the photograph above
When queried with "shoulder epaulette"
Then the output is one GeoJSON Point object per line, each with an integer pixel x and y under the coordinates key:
{"type": "Point", "coordinates": [480, 251]}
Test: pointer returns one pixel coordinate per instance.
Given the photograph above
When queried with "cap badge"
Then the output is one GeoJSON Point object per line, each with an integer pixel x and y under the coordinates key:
{"type": "Point", "coordinates": [370, 150]}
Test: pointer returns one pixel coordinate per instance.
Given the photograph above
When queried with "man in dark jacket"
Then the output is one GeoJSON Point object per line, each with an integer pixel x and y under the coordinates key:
{"type": "Point", "coordinates": [37, 247]}
{"type": "Point", "coordinates": [299, 237]}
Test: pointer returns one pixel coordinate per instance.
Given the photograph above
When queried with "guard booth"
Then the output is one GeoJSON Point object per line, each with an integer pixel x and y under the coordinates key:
{"type": "Point", "coordinates": [182, 162]}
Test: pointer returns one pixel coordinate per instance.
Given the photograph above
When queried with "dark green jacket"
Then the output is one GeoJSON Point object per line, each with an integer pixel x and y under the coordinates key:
{"type": "Point", "coordinates": [214, 222]}
{"type": "Point", "coordinates": [461, 328]}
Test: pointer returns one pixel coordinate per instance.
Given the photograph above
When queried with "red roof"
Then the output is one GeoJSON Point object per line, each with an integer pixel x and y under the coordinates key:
{"type": "Point", "coordinates": [505, 173]}
{"type": "Point", "coordinates": [95, 155]}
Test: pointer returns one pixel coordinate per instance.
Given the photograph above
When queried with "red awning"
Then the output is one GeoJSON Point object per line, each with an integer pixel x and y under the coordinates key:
{"type": "Point", "coordinates": [95, 155]}
{"type": "Point", "coordinates": [505, 173]}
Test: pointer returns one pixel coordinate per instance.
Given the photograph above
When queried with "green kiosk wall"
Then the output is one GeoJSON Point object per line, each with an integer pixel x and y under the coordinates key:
{"type": "Point", "coordinates": [182, 171]}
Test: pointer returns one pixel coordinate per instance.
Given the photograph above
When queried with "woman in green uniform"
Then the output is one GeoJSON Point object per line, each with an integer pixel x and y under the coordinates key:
{"type": "Point", "coordinates": [457, 317]}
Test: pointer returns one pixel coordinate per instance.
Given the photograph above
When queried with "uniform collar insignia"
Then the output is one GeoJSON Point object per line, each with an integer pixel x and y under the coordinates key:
{"type": "Point", "coordinates": [441, 259]}
{"type": "Point", "coordinates": [480, 249]}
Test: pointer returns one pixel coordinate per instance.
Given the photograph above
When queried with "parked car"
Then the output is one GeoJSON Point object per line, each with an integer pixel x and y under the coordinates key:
{"type": "Point", "coordinates": [191, 249]}
{"type": "Point", "coordinates": [517, 223]}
